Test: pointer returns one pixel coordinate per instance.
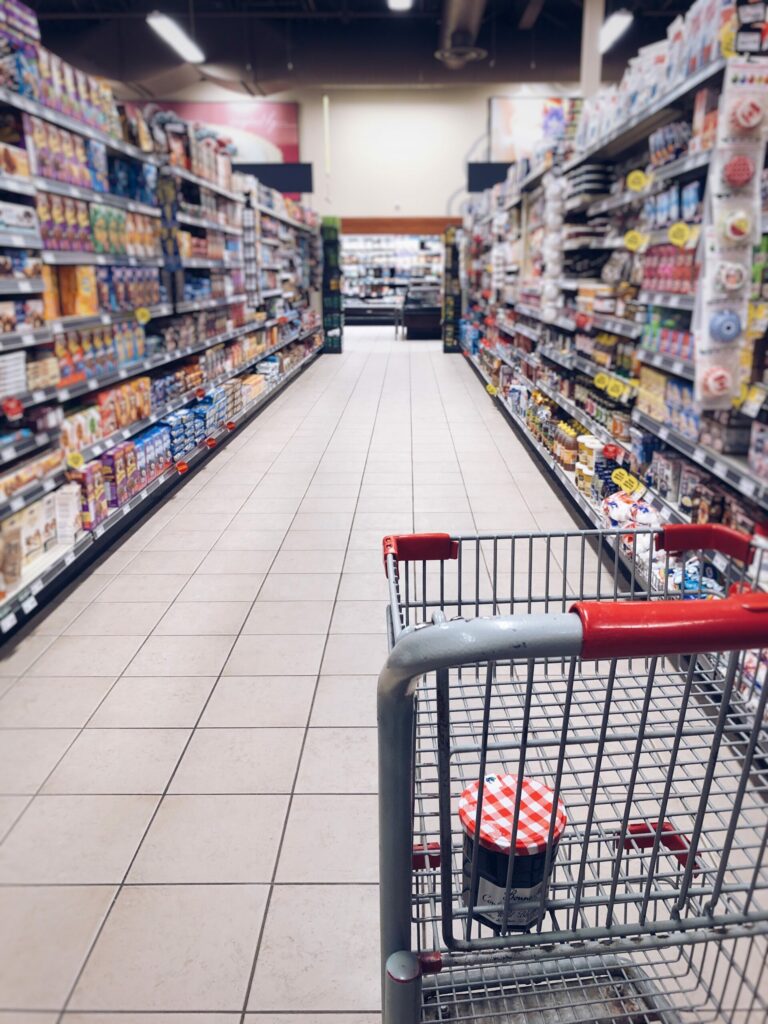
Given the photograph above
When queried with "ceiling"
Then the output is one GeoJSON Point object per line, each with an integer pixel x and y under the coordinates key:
{"type": "Point", "coordinates": [261, 47]}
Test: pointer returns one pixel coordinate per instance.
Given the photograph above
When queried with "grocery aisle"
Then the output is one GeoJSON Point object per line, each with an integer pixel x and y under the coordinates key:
{"type": "Point", "coordinates": [187, 758]}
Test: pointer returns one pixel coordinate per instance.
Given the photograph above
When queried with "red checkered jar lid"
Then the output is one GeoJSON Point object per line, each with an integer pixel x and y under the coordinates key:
{"type": "Point", "coordinates": [499, 793]}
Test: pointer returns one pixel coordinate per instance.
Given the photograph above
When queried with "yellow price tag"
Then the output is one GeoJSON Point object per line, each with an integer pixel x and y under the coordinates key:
{"type": "Point", "coordinates": [679, 234]}
{"type": "Point", "coordinates": [491, 389]}
{"type": "Point", "coordinates": [728, 38]}
{"type": "Point", "coordinates": [75, 460]}
{"type": "Point", "coordinates": [628, 483]}
{"type": "Point", "coordinates": [615, 388]}
{"type": "Point", "coordinates": [634, 240]}
{"type": "Point", "coordinates": [143, 315]}
{"type": "Point", "coordinates": [601, 381]}
{"type": "Point", "coordinates": [637, 181]}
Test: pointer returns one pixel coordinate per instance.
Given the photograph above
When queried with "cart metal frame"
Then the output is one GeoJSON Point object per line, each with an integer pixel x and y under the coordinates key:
{"type": "Point", "coordinates": [592, 675]}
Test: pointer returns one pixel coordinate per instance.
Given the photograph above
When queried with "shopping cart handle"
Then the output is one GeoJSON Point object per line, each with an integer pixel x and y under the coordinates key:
{"type": "Point", "coordinates": [643, 835]}
{"type": "Point", "coordinates": [420, 547]}
{"type": "Point", "coordinates": [677, 537]}
{"type": "Point", "coordinates": [627, 629]}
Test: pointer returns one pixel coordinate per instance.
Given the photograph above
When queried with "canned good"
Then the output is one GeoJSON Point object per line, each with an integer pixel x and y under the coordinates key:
{"type": "Point", "coordinates": [537, 810]}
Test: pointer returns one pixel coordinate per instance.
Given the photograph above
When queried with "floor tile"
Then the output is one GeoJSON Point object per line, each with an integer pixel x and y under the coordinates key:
{"type": "Point", "coordinates": [45, 937]}
{"type": "Point", "coordinates": [44, 702]}
{"type": "Point", "coordinates": [283, 586]}
{"type": "Point", "coordinates": [259, 702]}
{"type": "Point", "coordinates": [273, 617]}
{"type": "Point", "coordinates": [153, 702]}
{"type": "Point", "coordinates": [27, 756]}
{"type": "Point", "coordinates": [87, 655]}
{"type": "Point", "coordinates": [322, 521]}
{"type": "Point", "coordinates": [363, 586]}
{"type": "Point", "coordinates": [163, 587]}
{"type": "Point", "coordinates": [10, 809]}
{"type": "Point", "coordinates": [343, 972]}
{"type": "Point", "coordinates": [347, 852]}
{"type": "Point", "coordinates": [250, 540]}
{"type": "Point", "coordinates": [345, 700]}
{"type": "Point", "coordinates": [117, 618]}
{"type": "Point", "coordinates": [355, 653]}
{"type": "Point", "coordinates": [311, 540]}
{"type": "Point", "coordinates": [276, 655]}
{"type": "Point", "coordinates": [119, 761]}
{"type": "Point", "coordinates": [155, 1018]}
{"type": "Point", "coordinates": [211, 839]}
{"type": "Point", "coordinates": [174, 947]}
{"type": "Point", "coordinates": [239, 761]}
{"type": "Point", "coordinates": [308, 561]}
{"type": "Point", "coordinates": [222, 587]}
{"type": "Point", "coordinates": [181, 656]}
{"type": "Point", "coordinates": [201, 521]}
{"type": "Point", "coordinates": [237, 562]}
{"type": "Point", "coordinates": [172, 539]}
{"type": "Point", "coordinates": [22, 655]}
{"type": "Point", "coordinates": [75, 840]}
{"type": "Point", "coordinates": [359, 617]}
{"type": "Point", "coordinates": [212, 618]}
{"type": "Point", "coordinates": [58, 618]}
{"type": "Point", "coordinates": [339, 761]}
{"type": "Point", "coordinates": [151, 563]}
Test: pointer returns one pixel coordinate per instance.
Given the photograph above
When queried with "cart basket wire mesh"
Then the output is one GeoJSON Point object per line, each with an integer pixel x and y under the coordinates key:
{"type": "Point", "coordinates": [573, 773]}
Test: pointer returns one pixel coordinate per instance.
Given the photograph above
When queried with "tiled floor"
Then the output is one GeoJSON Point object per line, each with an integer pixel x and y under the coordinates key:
{"type": "Point", "coordinates": [187, 754]}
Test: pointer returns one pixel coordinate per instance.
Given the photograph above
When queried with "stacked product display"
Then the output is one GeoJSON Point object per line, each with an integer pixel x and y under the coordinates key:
{"type": "Point", "coordinates": [452, 304]}
{"type": "Point", "coordinates": [333, 317]}
{"type": "Point", "coordinates": [132, 337]}
{"type": "Point", "coordinates": [617, 304]}
{"type": "Point", "coordinates": [380, 272]}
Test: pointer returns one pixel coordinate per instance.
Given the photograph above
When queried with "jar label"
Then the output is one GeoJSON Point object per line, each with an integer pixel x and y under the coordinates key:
{"type": "Point", "coordinates": [523, 903]}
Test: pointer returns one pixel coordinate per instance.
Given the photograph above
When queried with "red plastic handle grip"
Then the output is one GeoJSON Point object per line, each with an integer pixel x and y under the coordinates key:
{"type": "Point", "coordinates": [626, 629]}
{"type": "Point", "coordinates": [643, 835]}
{"type": "Point", "coordinates": [706, 537]}
{"type": "Point", "coordinates": [420, 547]}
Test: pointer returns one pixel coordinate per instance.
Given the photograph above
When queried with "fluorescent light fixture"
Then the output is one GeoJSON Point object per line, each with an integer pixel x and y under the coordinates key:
{"type": "Point", "coordinates": [173, 34]}
{"type": "Point", "coordinates": [613, 28]}
{"type": "Point", "coordinates": [399, 5]}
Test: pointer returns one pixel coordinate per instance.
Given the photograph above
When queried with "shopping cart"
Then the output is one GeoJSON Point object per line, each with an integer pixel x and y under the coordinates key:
{"type": "Point", "coordinates": [599, 668]}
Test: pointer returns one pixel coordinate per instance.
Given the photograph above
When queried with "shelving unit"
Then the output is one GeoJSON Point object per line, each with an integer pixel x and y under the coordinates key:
{"type": "Point", "coordinates": [575, 339]}
{"type": "Point", "coordinates": [177, 326]}
{"type": "Point", "coordinates": [378, 271]}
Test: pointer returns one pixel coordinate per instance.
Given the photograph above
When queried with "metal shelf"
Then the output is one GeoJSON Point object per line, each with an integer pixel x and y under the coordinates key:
{"type": "Point", "coordinates": [185, 175]}
{"type": "Point", "coordinates": [285, 219]}
{"type": "Point", "coordinates": [194, 306]}
{"type": "Point", "coordinates": [20, 239]}
{"type": "Point", "coordinates": [667, 300]}
{"type": "Point", "coordinates": [679, 367]}
{"type": "Point", "coordinates": [18, 606]}
{"type": "Point", "coordinates": [730, 469]}
{"type": "Point", "coordinates": [25, 339]}
{"type": "Point", "coordinates": [92, 195]}
{"type": "Point", "coordinates": [205, 264]}
{"type": "Point", "coordinates": [99, 259]}
{"type": "Point", "coordinates": [30, 106]}
{"type": "Point", "coordinates": [626, 328]}
{"type": "Point", "coordinates": [26, 446]}
{"type": "Point", "coordinates": [10, 286]}
{"type": "Point", "coordinates": [208, 225]}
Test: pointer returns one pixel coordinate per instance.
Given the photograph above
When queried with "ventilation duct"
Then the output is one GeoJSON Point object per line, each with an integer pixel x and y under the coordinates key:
{"type": "Point", "coordinates": [458, 33]}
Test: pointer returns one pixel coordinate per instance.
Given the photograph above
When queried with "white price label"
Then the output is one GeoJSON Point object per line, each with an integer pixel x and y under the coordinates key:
{"type": "Point", "coordinates": [29, 605]}
{"type": "Point", "coordinates": [16, 504]}
{"type": "Point", "coordinates": [123, 374]}
{"type": "Point", "coordinates": [663, 433]}
{"type": "Point", "coordinates": [748, 487]}
{"type": "Point", "coordinates": [25, 286]}
{"type": "Point", "coordinates": [7, 454]}
{"type": "Point", "coordinates": [36, 587]}
{"type": "Point", "coordinates": [63, 395]}
{"type": "Point", "coordinates": [106, 319]}
{"type": "Point", "coordinates": [69, 558]}
{"type": "Point", "coordinates": [125, 510]}
{"type": "Point", "coordinates": [38, 395]}
{"type": "Point", "coordinates": [125, 434]}
{"type": "Point", "coordinates": [98, 531]}
{"type": "Point", "coordinates": [677, 366]}
{"type": "Point", "coordinates": [28, 339]}
{"type": "Point", "coordinates": [48, 485]}
{"type": "Point", "coordinates": [8, 622]}
{"type": "Point", "coordinates": [97, 449]}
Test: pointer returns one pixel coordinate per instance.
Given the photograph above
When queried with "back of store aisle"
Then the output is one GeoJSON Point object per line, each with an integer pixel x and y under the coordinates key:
{"type": "Point", "coordinates": [188, 740]}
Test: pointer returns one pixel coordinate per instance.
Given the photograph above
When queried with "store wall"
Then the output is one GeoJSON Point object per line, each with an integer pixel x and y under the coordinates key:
{"type": "Point", "coordinates": [393, 152]}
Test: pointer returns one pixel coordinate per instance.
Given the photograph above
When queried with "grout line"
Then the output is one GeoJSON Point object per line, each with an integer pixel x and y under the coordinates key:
{"type": "Point", "coordinates": [281, 840]}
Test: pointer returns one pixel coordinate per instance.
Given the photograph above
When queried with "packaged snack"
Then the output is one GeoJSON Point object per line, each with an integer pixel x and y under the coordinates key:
{"type": "Point", "coordinates": [78, 291]}
{"type": "Point", "coordinates": [70, 224]}
{"type": "Point", "coordinates": [99, 228]}
{"type": "Point", "coordinates": [58, 223]}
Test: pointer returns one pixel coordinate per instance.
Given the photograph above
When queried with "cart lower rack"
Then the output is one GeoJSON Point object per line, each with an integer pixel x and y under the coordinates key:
{"type": "Point", "coordinates": [573, 776]}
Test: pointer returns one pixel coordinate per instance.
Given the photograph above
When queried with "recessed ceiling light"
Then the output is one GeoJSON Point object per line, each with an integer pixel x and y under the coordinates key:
{"type": "Point", "coordinates": [173, 34]}
{"type": "Point", "coordinates": [399, 5]}
{"type": "Point", "coordinates": [613, 28]}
